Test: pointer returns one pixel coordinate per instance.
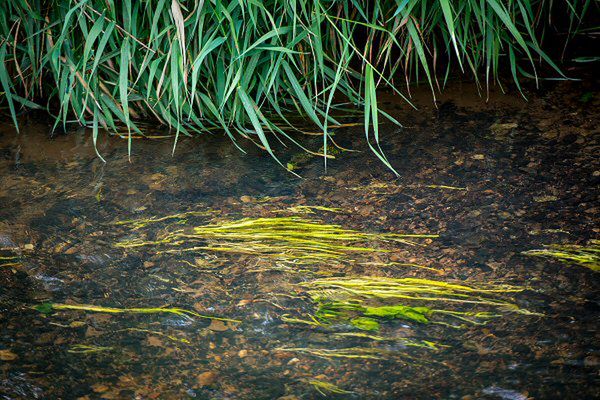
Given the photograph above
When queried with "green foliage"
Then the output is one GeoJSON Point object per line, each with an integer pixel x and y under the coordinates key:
{"type": "Point", "coordinates": [416, 314]}
{"type": "Point", "coordinates": [44, 308]}
{"type": "Point", "coordinates": [365, 323]}
{"type": "Point", "coordinates": [245, 66]}
{"type": "Point", "coordinates": [360, 300]}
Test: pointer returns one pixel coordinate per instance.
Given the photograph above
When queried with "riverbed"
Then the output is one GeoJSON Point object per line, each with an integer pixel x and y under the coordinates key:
{"type": "Point", "coordinates": [478, 184]}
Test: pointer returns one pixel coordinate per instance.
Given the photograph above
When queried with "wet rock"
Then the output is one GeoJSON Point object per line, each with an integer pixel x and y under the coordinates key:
{"type": "Point", "coordinates": [7, 355]}
{"type": "Point", "coordinates": [504, 394]}
{"type": "Point", "coordinates": [100, 388]}
{"type": "Point", "coordinates": [218, 326]}
{"type": "Point", "coordinates": [591, 361]}
{"type": "Point", "coordinates": [50, 283]}
{"type": "Point", "coordinates": [207, 378]}
{"type": "Point", "coordinates": [155, 341]}
{"type": "Point", "coordinates": [293, 361]}
{"type": "Point", "coordinates": [92, 332]}
{"type": "Point", "coordinates": [6, 241]}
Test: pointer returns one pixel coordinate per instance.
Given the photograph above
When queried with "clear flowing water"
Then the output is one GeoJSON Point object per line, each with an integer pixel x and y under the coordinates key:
{"type": "Point", "coordinates": [493, 180]}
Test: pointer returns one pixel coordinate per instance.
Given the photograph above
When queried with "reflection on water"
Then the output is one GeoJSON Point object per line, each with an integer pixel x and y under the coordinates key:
{"type": "Point", "coordinates": [492, 181]}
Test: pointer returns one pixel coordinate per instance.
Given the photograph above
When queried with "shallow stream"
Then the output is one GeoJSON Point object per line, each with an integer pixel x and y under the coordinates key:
{"type": "Point", "coordinates": [487, 181]}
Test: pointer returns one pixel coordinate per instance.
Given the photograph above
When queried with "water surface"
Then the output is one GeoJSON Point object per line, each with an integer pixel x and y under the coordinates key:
{"type": "Point", "coordinates": [493, 180]}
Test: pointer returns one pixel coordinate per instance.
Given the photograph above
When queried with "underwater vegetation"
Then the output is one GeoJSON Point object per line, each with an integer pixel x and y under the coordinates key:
{"type": "Point", "coordinates": [290, 238]}
{"type": "Point", "coordinates": [585, 256]}
{"type": "Point", "coordinates": [359, 307]}
{"type": "Point", "coordinates": [47, 308]}
{"type": "Point", "coordinates": [10, 261]}
{"type": "Point", "coordinates": [179, 218]}
{"type": "Point", "coordinates": [364, 353]}
{"type": "Point", "coordinates": [88, 349]}
{"type": "Point", "coordinates": [247, 68]}
{"type": "Point", "coordinates": [366, 302]}
{"type": "Point", "coordinates": [326, 388]}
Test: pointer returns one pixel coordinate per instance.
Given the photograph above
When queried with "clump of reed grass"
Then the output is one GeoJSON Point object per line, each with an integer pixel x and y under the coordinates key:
{"type": "Point", "coordinates": [585, 256]}
{"type": "Point", "coordinates": [246, 67]}
{"type": "Point", "coordinates": [291, 238]}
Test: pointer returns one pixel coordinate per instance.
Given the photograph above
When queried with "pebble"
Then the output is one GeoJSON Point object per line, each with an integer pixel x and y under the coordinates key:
{"type": "Point", "coordinates": [7, 355]}
{"type": "Point", "coordinates": [207, 378]}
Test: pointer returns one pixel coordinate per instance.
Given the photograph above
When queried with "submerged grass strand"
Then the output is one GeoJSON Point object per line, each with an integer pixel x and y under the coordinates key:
{"type": "Point", "coordinates": [290, 238]}
{"type": "Point", "coordinates": [47, 308]}
{"type": "Point", "coordinates": [365, 353]}
{"type": "Point", "coordinates": [143, 222]}
{"type": "Point", "coordinates": [326, 388]}
{"type": "Point", "coordinates": [365, 302]}
{"type": "Point", "coordinates": [404, 341]}
{"type": "Point", "coordinates": [88, 349]}
{"type": "Point", "coordinates": [585, 256]}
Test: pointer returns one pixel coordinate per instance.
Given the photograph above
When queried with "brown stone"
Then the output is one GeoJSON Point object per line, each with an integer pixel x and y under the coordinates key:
{"type": "Point", "coordinates": [207, 378]}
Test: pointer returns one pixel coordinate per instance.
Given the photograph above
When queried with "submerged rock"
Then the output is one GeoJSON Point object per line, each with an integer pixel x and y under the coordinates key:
{"type": "Point", "coordinates": [7, 242]}
{"type": "Point", "coordinates": [504, 394]}
{"type": "Point", "coordinates": [207, 378]}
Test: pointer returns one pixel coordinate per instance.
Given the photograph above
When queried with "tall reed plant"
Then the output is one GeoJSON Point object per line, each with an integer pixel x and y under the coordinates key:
{"type": "Point", "coordinates": [245, 66]}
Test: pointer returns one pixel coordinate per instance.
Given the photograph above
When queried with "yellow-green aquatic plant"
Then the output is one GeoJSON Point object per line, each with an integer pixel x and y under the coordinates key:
{"type": "Point", "coordinates": [586, 256]}
{"type": "Point", "coordinates": [326, 388]}
{"type": "Point", "coordinates": [47, 308]}
{"type": "Point", "coordinates": [88, 349]}
{"type": "Point", "coordinates": [180, 217]}
{"type": "Point", "coordinates": [366, 301]}
{"type": "Point", "coordinates": [426, 344]}
{"type": "Point", "coordinates": [291, 238]}
{"type": "Point", "coordinates": [367, 353]}
{"type": "Point", "coordinates": [365, 323]}
{"type": "Point", "coordinates": [10, 261]}
{"type": "Point", "coordinates": [445, 187]}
